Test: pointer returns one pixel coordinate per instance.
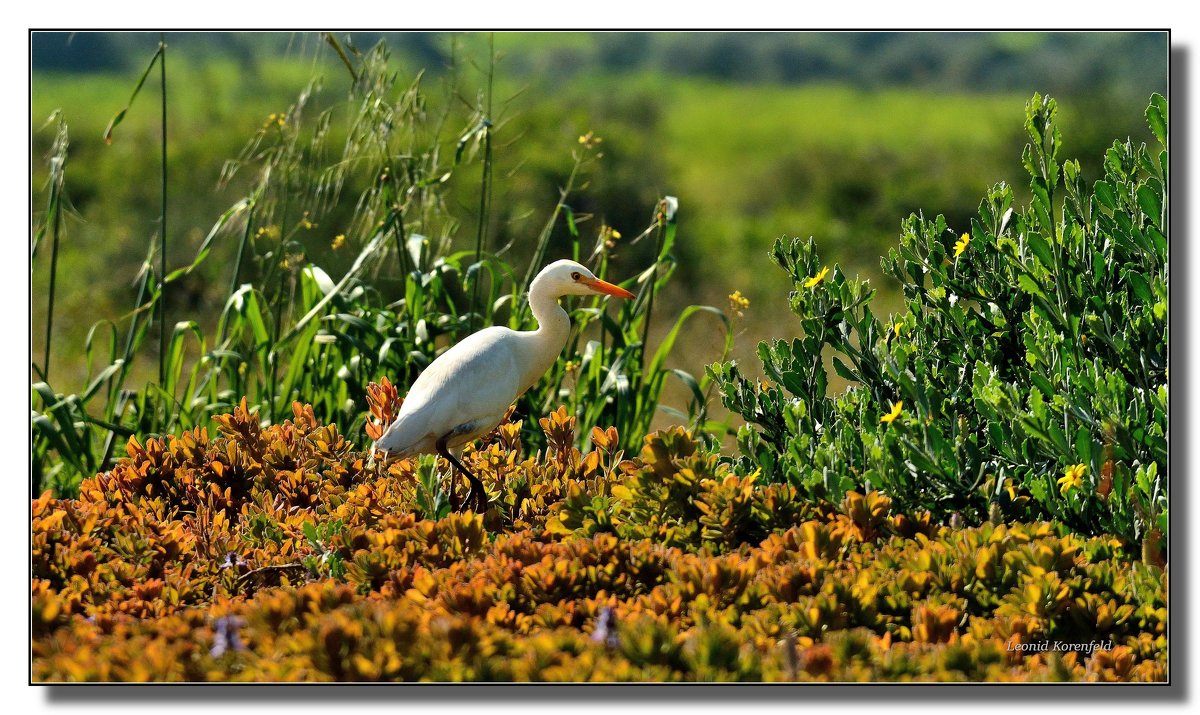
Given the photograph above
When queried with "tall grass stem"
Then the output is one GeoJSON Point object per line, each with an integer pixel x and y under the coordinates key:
{"type": "Point", "coordinates": [652, 283]}
{"type": "Point", "coordinates": [162, 226]}
{"type": "Point", "coordinates": [55, 207]}
{"type": "Point", "coordinates": [50, 298]}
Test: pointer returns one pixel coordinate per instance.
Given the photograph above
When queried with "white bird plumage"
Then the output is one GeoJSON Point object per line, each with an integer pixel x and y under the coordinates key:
{"type": "Point", "coordinates": [467, 390]}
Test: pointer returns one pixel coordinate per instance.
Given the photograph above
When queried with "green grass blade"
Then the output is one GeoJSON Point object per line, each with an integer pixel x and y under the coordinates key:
{"type": "Point", "coordinates": [120, 116]}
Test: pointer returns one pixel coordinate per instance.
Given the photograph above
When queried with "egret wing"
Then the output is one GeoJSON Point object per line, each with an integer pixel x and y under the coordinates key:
{"type": "Point", "coordinates": [475, 380]}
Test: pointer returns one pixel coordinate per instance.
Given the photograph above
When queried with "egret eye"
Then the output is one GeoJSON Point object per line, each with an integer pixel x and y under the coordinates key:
{"type": "Point", "coordinates": [575, 276]}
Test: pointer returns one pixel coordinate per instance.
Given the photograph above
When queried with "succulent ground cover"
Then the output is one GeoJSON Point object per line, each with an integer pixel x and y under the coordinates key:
{"type": "Point", "coordinates": [281, 553]}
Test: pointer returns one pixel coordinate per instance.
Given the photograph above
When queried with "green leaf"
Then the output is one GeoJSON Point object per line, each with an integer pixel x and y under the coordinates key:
{"type": "Point", "coordinates": [570, 216]}
{"type": "Point", "coordinates": [1029, 285]}
{"type": "Point", "coordinates": [668, 342]}
{"type": "Point", "coordinates": [845, 372]}
{"type": "Point", "coordinates": [1150, 201]}
{"type": "Point", "coordinates": [120, 116]}
{"type": "Point", "coordinates": [1083, 446]}
{"type": "Point", "coordinates": [1105, 195]}
{"type": "Point", "coordinates": [1041, 249]}
{"type": "Point", "coordinates": [1042, 383]}
{"type": "Point", "coordinates": [1158, 118]}
{"type": "Point", "coordinates": [1141, 288]}
{"type": "Point", "coordinates": [368, 250]}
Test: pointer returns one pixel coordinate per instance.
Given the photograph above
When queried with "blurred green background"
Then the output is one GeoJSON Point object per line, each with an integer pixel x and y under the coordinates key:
{"type": "Point", "coordinates": [832, 135]}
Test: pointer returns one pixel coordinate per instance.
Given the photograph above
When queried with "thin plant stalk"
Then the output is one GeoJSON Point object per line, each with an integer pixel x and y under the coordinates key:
{"type": "Point", "coordinates": [539, 253]}
{"type": "Point", "coordinates": [162, 236]}
{"type": "Point", "coordinates": [55, 209]}
{"type": "Point", "coordinates": [241, 254]}
{"type": "Point", "coordinates": [485, 189]}
{"type": "Point", "coordinates": [116, 399]}
{"type": "Point", "coordinates": [50, 298]}
{"type": "Point", "coordinates": [660, 222]}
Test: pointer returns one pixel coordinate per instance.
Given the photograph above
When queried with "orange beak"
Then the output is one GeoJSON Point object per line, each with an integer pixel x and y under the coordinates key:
{"type": "Point", "coordinates": [605, 287]}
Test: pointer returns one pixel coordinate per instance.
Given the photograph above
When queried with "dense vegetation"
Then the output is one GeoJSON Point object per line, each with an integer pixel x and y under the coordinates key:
{"type": "Point", "coordinates": [279, 554]}
{"type": "Point", "coordinates": [1027, 375]}
{"type": "Point", "coordinates": [934, 495]}
{"type": "Point", "coordinates": [833, 154]}
{"type": "Point", "coordinates": [286, 330]}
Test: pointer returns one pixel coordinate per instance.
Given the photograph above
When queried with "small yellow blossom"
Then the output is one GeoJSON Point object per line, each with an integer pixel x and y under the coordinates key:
{"type": "Point", "coordinates": [338, 241]}
{"type": "Point", "coordinates": [590, 140]}
{"type": "Point", "coordinates": [962, 244]}
{"type": "Point", "coordinates": [738, 303]}
{"type": "Point", "coordinates": [274, 119]}
{"type": "Point", "coordinates": [817, 278]}
{"type": "Point", "coordinates": [570, 366]}
{"type": "Point", "coordinates": [306, 223]}
{"type": "Point", "coordinates": [897, 327]}
{"type": "Point", "coordinates": [609, 236]}
{"type": "Point", "coordinates": [1072, 478]}
{"type": "Point", "coordinates": [897, 408]}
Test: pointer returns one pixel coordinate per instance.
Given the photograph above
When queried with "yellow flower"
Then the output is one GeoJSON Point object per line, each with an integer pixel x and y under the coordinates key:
{"type": "Point", "coordinates": [1072, 478]}
{"type": "Point", "coordinates": [962, 244]}
{"type": "Point", "coordinates": [338, 241]}
{"type": "Point", "coordinates": [590, 140]}
{"type": "Point", "coordinates": [890, 417]}
{"type": "Point", "coordinates": [817, 278]}
{"type": "Point", "coordinates": [609, 236]}
{"type": "Point", "coordinates": [738, 303]}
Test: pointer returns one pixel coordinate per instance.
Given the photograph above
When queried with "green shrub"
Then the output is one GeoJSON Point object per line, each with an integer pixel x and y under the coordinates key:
{"type": "Point", "coordinates": [1027, 376]}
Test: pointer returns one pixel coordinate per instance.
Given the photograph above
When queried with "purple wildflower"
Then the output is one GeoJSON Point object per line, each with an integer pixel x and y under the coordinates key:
{"type": "Point", "coordinates": [606, 628]}
{"type": "Point", "coordinates": [225, 635]}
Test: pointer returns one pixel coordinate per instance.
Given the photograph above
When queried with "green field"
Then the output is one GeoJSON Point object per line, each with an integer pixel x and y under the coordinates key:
{"type": "Point", "coordinates": [749, 163]}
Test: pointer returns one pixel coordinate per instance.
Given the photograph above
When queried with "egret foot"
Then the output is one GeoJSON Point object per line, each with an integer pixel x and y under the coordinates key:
{"type": "Point", "coordinates": [477, 491]}
{"type": "Point", "coordinates": [476, 496]}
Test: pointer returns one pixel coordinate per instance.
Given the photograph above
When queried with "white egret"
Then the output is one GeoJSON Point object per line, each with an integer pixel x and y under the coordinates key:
{"type": "Point", "coordinates": [467, 390]}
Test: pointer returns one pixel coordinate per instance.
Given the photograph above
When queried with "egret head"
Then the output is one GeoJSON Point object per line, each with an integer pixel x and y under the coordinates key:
{"type": "Point", "coordinates": [567, 277]}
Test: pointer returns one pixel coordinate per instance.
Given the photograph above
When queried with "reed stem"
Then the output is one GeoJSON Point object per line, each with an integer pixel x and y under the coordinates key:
{"type": "Point", "coordinates": [660, 221]}
{"type": "Point", "coordinates": [162, 226]}
{"type": "Point", "coordinates": [56, 207]}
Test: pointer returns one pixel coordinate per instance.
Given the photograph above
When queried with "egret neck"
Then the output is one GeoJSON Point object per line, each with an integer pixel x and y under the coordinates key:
{"type": "Point", "coordinates": [543, 346]}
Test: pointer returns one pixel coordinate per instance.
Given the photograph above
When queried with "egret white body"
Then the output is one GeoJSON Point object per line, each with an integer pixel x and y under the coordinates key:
{"type": "Point", "coordinates": [466, 391]}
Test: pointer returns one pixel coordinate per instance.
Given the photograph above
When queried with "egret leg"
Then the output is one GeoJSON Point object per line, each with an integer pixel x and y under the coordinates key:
{"type": "Point", "coordinates": [480, 496]}
{"type": "Point", "coordinates": [450, 493]}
